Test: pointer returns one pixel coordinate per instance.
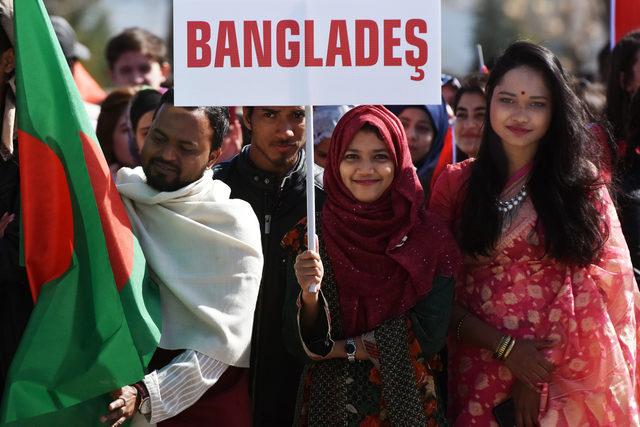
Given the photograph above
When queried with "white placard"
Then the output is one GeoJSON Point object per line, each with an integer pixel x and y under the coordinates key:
{"type": "Point", "coordinates": [306, 52]}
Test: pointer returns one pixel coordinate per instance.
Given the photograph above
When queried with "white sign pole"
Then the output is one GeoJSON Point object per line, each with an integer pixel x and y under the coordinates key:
{"type": "Point", "coordinates": [311, 189]}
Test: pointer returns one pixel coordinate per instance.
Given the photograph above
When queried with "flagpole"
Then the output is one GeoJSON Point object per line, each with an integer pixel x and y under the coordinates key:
{"type": "Point", "coordinates": [480, 55]}
{"type": "Point", "coordinates": [612, 25]}
{"type": "Point", "coordinates": [483, 67]}
{"type": "Point", "coordinates": [311, 200]}
{"type": "Point", "coordinates": [454, 154]}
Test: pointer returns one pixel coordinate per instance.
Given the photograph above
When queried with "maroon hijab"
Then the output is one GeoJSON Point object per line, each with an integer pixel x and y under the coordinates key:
{"type": "Point", "coordinates": [386, 253]}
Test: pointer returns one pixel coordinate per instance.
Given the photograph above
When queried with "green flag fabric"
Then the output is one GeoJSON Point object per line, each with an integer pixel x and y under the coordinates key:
{"type": "Point", "coordinates": [95, 324]}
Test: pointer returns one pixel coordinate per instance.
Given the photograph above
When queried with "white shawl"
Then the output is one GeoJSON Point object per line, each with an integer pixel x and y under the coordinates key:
{"type": "Point", "coordinates": [9, 114]}
{"type": "Point", "coordinates": [206, 253]}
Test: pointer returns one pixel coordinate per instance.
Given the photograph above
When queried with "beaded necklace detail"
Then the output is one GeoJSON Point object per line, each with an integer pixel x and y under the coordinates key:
{"type": "Point", "coordinates": [506, 206]}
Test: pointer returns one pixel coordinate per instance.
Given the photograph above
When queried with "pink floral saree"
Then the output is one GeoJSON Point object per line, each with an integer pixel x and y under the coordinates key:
{"type": "Point", "coordinates": [590, 312]}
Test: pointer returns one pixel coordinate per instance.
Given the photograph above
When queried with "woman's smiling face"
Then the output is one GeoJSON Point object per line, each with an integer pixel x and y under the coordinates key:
{"type": "Point", "coordinates": [366, 168]}
{"type": "Point", "coordinates": [521, 109]}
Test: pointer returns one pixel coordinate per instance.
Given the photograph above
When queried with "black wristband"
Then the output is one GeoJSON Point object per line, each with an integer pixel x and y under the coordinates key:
{"type": "Point", "coordinates": [143, 393]}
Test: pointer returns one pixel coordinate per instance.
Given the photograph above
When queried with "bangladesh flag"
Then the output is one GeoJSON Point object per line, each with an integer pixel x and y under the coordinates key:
{"type": "Point", "coordinates": [625, 17]}
{"type": "Point", "coordinates": [94, 325]}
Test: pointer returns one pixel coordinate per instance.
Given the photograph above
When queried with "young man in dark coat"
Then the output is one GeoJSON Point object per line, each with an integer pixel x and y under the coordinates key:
{"type": "Point", "coordinates": [270, 174]}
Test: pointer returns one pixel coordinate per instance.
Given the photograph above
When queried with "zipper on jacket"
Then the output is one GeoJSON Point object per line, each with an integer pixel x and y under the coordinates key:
{"type": "Point", "coordinates": [267, 224]}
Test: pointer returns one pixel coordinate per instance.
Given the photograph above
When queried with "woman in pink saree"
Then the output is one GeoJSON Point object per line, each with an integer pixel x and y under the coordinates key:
{"type": "Point", "coordinates": [546, 315]}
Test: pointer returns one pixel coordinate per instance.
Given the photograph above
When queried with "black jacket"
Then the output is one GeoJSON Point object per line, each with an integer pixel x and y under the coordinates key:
{"type": "Point", "coordinates": [279, 204]}
{"type": "Point", "coordinates": [629, 213]}
{"type": "Point", "coordinates": [15, 297]}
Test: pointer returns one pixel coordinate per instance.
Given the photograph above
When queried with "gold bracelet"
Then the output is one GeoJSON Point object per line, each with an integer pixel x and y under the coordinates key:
{"type": "Point", "coordinates": [508, 351]}
{"type": "Point", "coordinates": [498, 347]}
{"type": "Point", "coordinates": [502, 347]}
{"type": "Point", "coordinates": [509, 341]}
{"type": "Point", "coordinates": [459, 326]}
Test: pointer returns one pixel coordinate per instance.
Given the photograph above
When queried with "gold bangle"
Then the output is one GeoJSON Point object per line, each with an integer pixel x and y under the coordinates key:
{"type": "Point", "coordinates": [459, 326]}
{"type": "Point", "coordinates": [509, 340]}
{"type": "Point", "coordinates": [502, 347]}
{"type": "Point", "coordinates": [502, 356]}
{"type": "Point", "coordinates": [508, 351]}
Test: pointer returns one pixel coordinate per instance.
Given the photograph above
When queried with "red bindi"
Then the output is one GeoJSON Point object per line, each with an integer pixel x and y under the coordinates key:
{"type": "Point", "coordinates": [522, 93]}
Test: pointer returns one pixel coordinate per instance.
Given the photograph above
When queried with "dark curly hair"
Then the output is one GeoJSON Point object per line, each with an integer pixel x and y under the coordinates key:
{"type": "Point", "coordinates": [563, 180]}
{"type": "Point", "coordinates": [623, 58]}
{"type": "Point", "coordinates": [218, 117]}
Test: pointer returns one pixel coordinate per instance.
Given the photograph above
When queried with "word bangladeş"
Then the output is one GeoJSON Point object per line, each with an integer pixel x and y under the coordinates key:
{"type": "Point", "coordinates": [295, 44]}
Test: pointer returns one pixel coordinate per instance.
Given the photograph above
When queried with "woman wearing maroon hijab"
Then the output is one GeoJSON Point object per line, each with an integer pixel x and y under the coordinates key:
{"type": "Point", "coordinates": [372, 334]}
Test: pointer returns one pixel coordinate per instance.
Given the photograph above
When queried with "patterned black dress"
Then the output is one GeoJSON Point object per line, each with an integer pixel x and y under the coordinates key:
{"type": "Point", "coordinates": [402, 386]}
